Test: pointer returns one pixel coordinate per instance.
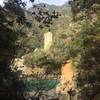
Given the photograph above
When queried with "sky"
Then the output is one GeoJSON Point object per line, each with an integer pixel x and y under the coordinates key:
{"type": "Point", "coordinates": [51, 2]}
{"type": "Point", "coordinates": [1, 1]}
{"type": "Point", "coordinates": [55, 2]}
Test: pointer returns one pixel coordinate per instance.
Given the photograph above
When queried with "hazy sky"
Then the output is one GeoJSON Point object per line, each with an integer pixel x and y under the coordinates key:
{"type": "Point", "coordinates": [55, 2]}
{"type": "Point", "coordinates": [1, 1]}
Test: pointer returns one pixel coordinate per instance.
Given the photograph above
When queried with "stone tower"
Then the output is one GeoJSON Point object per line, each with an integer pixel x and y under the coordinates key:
{"type": "Point", "coordinates": [47, 40]}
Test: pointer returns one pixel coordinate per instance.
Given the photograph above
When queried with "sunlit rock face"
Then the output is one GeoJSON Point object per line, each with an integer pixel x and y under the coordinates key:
{"type": "Point", "coordinates": [67, 78]}
{"type": "Point", "coordinates": [18, 65]}
{"type": "Point", "coordinates": [47, 41]}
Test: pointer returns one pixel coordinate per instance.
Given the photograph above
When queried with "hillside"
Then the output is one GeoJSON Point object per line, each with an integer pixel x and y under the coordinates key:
{"type": "Point", "coordinates": [63, 10]}
{"type": "Point", "coordinates": [50, 49]}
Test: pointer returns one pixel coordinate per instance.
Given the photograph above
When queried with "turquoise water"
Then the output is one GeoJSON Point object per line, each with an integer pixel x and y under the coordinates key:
{"type": "Point", "coordinates": [35, 85]}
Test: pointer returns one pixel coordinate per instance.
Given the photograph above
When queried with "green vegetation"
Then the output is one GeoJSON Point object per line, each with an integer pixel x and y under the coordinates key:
{"type": "Point", "coordinates": [76, 39]}
{"type": "Point", "coordinates": [87, 60]}
{"type": "Point", "coordinates": [18, 36]}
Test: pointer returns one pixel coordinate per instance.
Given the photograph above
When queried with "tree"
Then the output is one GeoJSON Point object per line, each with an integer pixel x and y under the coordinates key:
{"type": "Point", "coordinates": [11, 15]}
{"type": "Point", "coordinates": [41, 14]}
{"type": "Point", "coordinates": [12, 20]}
{"type": "Point", "coordinates": [88, 63]}
{"type": "Point", "coordinates": [85, 6]}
